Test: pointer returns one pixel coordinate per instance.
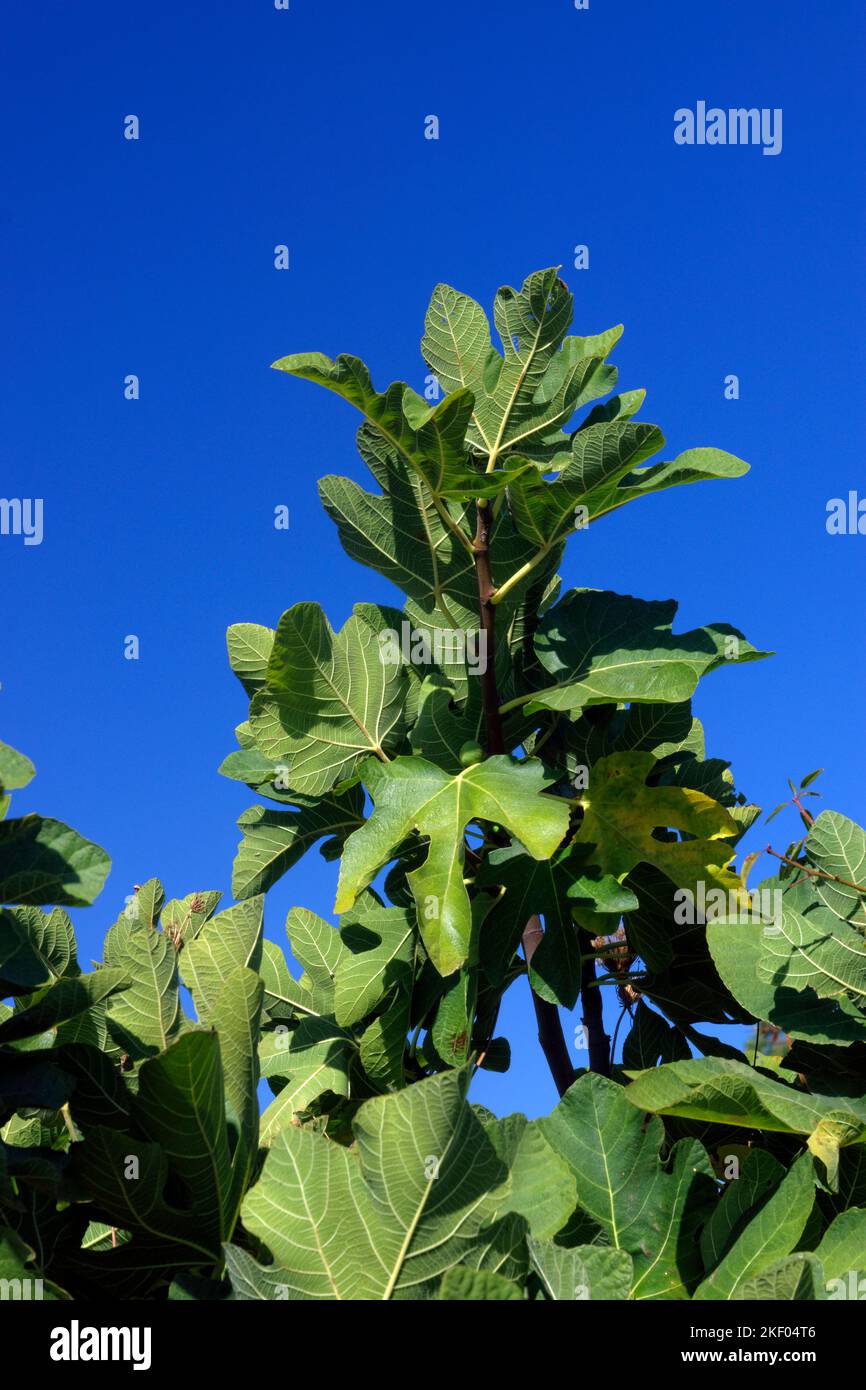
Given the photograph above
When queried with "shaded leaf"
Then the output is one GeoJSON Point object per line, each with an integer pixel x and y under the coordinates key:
{"type": "Point", "coordinates": [772, 1233]}
{"type": "Point", "coordinates": [147, 1015]}
{"type": "Point", "coordinates": [274, 841]}
{"type": "Point", "coordinates": [738, 949]}
{"type": "Point", "coordinates": [604, 647]}
{"type": "Point", "coordinates": [796, 1278]}
{"type": "Point", "coordinates": [429, 440]}
{"type": "Point", "coordinates": [478, 1285]}
{"type": "Point", "coordinates": [759, 1175]}
{"type": "Point", "coordinates": [236, 1015]}
{"type": "Point", "coordinates": [44, 861]}
{"type": "Point", "coordinates": [389, 1220]}
{"type": "Point", "coordinates": [543, 1188]}
{"type": "Point", "coordinates": [585, 1272]}
{"type": "Point", "coordinates": [380, 948]}
{"type": "Point", "coordinates": [231, 939]}
{"type": "Point", "coordinates": [316, 1060]}
{"type": "Point", "coordinates": [61, 1001]}
{"type": "Point", "coordinates": [329, 702]}
{"type": "Point", "coordinates": [645, 1210]}
{"type": "Point", "coordinates": [725, 1092]}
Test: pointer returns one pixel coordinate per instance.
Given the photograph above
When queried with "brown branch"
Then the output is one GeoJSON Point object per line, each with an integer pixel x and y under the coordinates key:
{"type": "Point", "coordinates": [489, 692]}
{"type": "Point", "coordinates": [815, 873]}
{"type": "Point", "coordinates": [593, 1020]}
{"type": "Point", "coordinates": [626, 1009]}
{"type": "Point", "coordinates": [550, 1034]}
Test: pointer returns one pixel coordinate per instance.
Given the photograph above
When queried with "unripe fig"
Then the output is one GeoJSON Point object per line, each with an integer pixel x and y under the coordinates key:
{"type": "Point", "coordinates": [471, 753]}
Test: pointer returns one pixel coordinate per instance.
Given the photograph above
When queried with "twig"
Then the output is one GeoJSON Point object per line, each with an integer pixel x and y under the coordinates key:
{"type": "Point", "coordinates": [808, 820]}
{"type": "Point", "coordinates": [489, 692]}
{"type": "Point", "coordinates": [815, 873]}
{"type": "Point", "coordinates": [67, 1120]}
{"type": "Point", "coordinates": [550, 1034]}
{"type": "Point", "coordinates": [626, 1009]}
{"type": "Point", "coordinates": [593, 1020]}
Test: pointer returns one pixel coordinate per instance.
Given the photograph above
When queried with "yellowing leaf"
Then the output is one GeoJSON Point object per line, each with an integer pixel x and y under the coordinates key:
{"type": "Point", "coordinates": [621, 812]}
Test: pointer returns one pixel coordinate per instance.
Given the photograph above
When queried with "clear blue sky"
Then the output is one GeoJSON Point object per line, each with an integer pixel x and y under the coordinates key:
{"type": "Point", "coordinates": [305, 127]}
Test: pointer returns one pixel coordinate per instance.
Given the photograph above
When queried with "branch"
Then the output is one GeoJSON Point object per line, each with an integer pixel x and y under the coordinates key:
{"type": "Point", "coordinates": [626, 1009]}
{"type": "Point", "coordinates": [804, 814]}
{"type": "Point", "coordinates": [593, 1020]}
{"type": "Point", "coordinates": [550, 1034]}
{"type": "Point", "coordinates": [514, 579]}
{"type": "Point", "coordinates": [814, 873]}
{"type": "Point", "coordinates": [489, 692]}
{"type": "Point", "coordinates": [540, 555]}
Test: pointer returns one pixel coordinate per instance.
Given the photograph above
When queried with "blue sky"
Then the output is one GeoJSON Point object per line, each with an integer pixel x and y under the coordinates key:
{"type": "Point", "coordinates": [305, 127]}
